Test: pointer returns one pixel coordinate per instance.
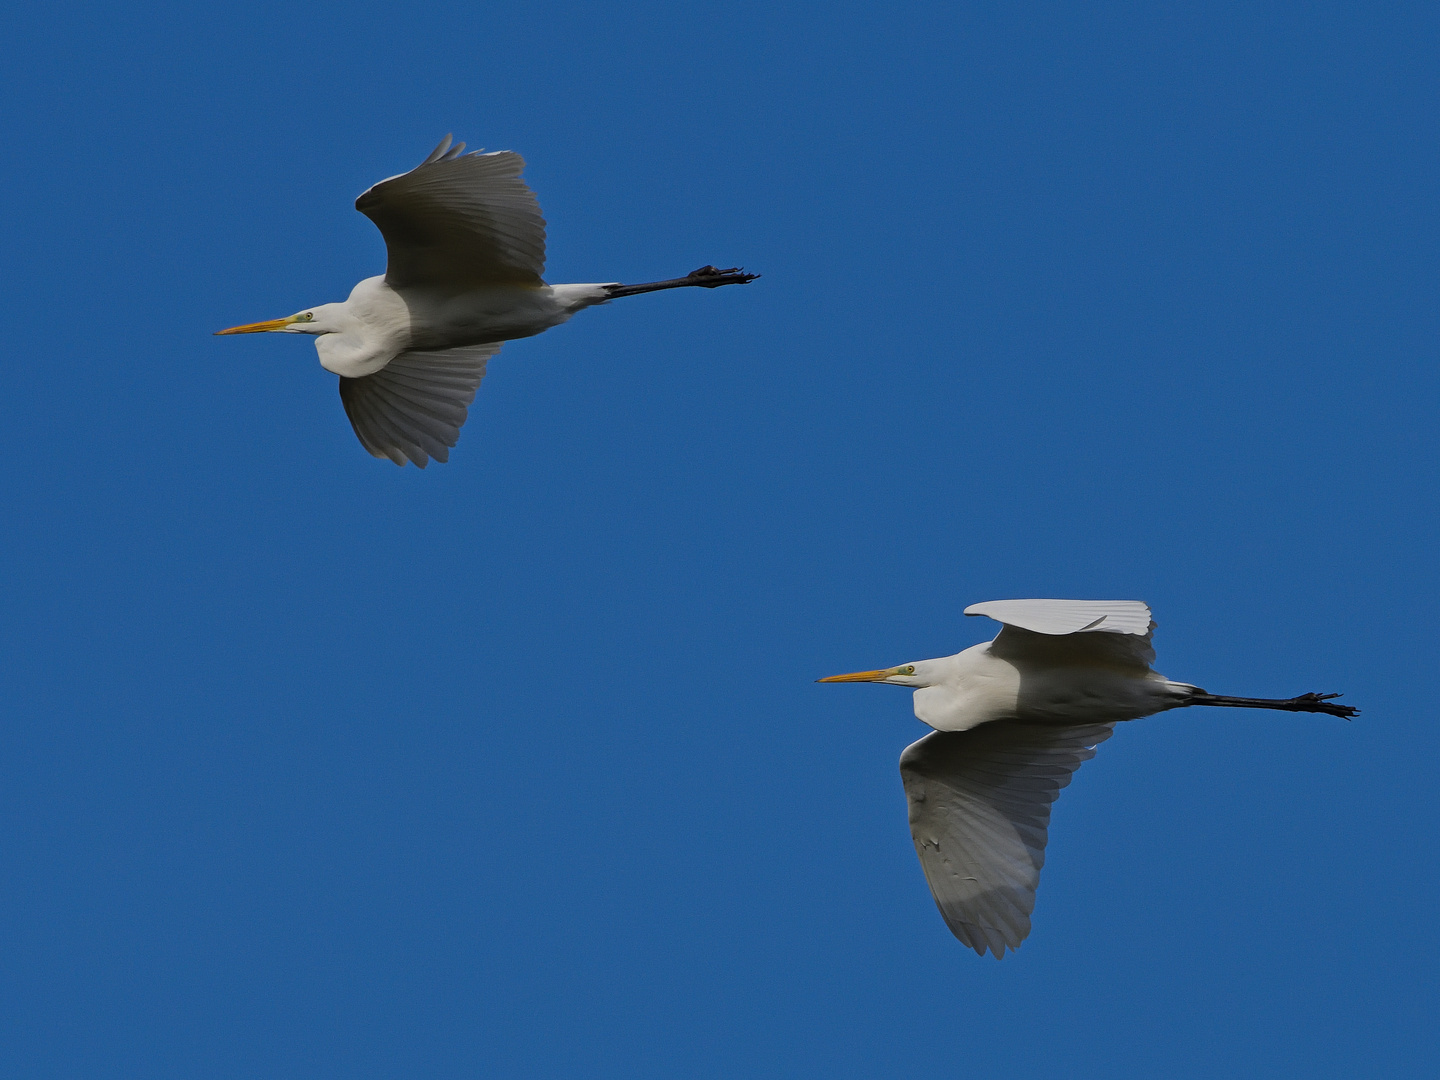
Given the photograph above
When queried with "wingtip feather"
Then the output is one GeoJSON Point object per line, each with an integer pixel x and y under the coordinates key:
{"type": "Point", "coordinates": [439, 151]}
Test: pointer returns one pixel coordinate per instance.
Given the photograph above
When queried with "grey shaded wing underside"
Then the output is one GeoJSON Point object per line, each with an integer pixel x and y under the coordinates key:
{"type": "Point", "coordinates": [980, 814]}
{"type": "Point", "coordinates": [412, 408]}
{"type": "Point", "coordinates": [459, 220]}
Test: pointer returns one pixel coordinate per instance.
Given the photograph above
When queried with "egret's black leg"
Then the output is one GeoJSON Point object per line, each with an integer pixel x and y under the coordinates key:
{"type": "Point", "coordinates": [707, 277]}
{"type": "Point", "coordinates": [1303, 703]}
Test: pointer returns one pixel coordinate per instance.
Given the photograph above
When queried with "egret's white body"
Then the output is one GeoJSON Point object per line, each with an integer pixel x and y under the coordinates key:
{"type": "Point", "coordinates": [378, 322]}
{"type": "Point", "coordinates": [466, 246]}
{"type": "Point", "coordinates": [1013, 719]}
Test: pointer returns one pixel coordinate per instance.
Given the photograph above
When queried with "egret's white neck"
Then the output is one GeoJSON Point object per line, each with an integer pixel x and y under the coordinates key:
{"type": "Point", "coordinates": [366, 332]}
{"type": "Point", "coordinates": [955, 693]}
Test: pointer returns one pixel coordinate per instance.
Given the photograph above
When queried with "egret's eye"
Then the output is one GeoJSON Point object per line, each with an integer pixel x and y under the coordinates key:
{"type": "Point", "coordinates": [908, 669]}
{"type": "Point", "coordinates": [307, 317]}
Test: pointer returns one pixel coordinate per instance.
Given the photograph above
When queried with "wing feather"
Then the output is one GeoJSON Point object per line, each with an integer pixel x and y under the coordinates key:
{"type": "Point", "coordinates": [374, 430]}
{"type": "Point", "coordinates": [1068, 616]}
{"type": "Point", "coordinates": [419, 401]}
{"type": "Point", "coordinates": [1060, 632]}
{"type": "Point", "coordinates": [416, 429]}
{"type": "Point", "coordinates": [980, 814]}
{"type": "Point", "coordinates": [412, 409]}
{"type": "Point", "coordinates": [458, 220]}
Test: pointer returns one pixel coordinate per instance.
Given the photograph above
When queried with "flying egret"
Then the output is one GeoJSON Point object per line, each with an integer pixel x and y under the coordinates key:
{"type": "Point", "coordinates": [1013, 720]}
{"type": "Point", "coordinates": [466, 249]}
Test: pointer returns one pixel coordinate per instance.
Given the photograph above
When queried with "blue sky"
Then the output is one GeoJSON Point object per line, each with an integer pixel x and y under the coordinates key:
{"type": "Point", "coordinates": [317, 767]}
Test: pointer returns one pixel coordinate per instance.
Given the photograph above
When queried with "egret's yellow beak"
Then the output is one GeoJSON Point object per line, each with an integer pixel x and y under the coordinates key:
{"type": "Point", "coordinates": [864, 676]}
{"type": "Point", "coordinates": [260, 327]}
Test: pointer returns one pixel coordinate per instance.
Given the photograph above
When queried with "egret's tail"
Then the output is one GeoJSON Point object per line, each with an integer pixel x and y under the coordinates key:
{"type": "Point", "coordinates": [575, 297]}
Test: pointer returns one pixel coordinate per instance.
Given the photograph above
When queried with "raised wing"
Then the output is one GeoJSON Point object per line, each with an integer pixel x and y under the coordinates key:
{"type": "Point", "coordinates": [1068, 616]}
{"type": "Point", "coordinates": [1059, 632]}
{"type": "Point", "coordinates": [459, 220]}
{"type": "Point", "coordinates": [980, 814]}
{"type": "Point", "coordinates": [412, 408]}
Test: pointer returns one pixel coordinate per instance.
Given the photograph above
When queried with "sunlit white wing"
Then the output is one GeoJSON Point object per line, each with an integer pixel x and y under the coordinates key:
{"type": "Point", "coordinates": [1071, 631]}
{"type": "Point", "coordinates": [412, 408]}
{"type": "Point", "coordinates": [980, 814]}
{"type": "Point", "coordinates": [458, 220]}
{"type": "Point", "coordinates": [1068, 616]}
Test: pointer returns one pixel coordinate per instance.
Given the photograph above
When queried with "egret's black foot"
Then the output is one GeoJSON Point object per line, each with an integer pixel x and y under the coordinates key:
{"type": "Point", "coordinates": [1321, 703]}
{"type": "Point", "coordinates": [710, 277]}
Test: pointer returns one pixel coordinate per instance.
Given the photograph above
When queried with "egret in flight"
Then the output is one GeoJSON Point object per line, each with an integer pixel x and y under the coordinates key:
{"type": "Point", "coordinates": [465, 247]}
{"type": "Point", "coordinates": [1013, 720]}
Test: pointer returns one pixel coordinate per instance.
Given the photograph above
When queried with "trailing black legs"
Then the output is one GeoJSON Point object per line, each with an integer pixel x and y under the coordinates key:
{"type": "Point", "coordinates": [1303, 703]}
{"type": "Point", "coordinates": [707, 277]}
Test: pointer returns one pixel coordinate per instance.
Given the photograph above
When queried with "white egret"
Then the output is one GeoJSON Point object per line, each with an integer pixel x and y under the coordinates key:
{"type": "Point", "coordinates": [1013, 720]}
{"type": "Point", "coordinates": [466, 249]}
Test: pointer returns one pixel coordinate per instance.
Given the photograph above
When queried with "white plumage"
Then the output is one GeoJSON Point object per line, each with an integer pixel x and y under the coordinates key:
{"type": "Point", "coordinates": [1014, 718]}
{"type": "Point", "coordinates": [1068, 616]}
{"type": "Point", "coordinates": [466, 255]}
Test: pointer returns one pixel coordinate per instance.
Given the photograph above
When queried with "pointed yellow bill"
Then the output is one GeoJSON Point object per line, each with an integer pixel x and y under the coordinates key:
{"type": "Point", "coordinates": [863, 676]}
{"type": "Point", "coordinates": [260, 327]}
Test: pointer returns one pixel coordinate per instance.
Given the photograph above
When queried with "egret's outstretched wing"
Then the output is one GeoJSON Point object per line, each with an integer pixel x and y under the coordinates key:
{"type": "Point", "coordinates": [459, 220]}
{"type": "Point", "coordinates": [979, 814]}
{"type": "Point", "coordinates": [413, 407]}
{"type": "Point", "coordinates": [1071, 631]}
{"type": "Point", "coordinates": [1068, 616]}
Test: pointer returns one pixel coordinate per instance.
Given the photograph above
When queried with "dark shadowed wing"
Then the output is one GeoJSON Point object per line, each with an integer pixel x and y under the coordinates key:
{"type": "Point", "coordinates": [980, 813]}
{"type": "Point", "coordinates": [459, 220]}
{"type": "Point", "coordinates": [412, 408]}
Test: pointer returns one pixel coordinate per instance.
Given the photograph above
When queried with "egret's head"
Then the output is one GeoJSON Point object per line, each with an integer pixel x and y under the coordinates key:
{"type": "Point", "coordinates": [317, 320]}
{"type": "Point", "coordinates": [920, 673]}
{"type": "Point", "coordinates": [936, 700]}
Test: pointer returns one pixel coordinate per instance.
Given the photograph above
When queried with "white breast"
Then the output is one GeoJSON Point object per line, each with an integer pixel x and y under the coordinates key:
{"type": "Point", "coordinates": [374, 329]}
{"type": "Point", "coordinates": [978, 688]}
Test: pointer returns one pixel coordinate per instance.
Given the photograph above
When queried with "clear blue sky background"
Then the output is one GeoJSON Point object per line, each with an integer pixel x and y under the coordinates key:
{"type": "Point", "coordinates": [317, 767]}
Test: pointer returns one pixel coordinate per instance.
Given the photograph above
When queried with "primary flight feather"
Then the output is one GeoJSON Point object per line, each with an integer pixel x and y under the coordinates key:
{"type": "Point", "coordinates": [465, 247]}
